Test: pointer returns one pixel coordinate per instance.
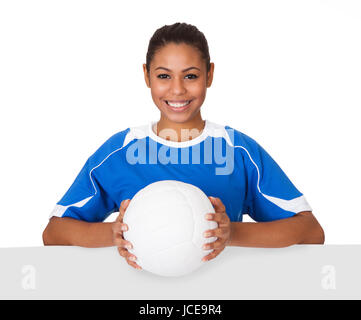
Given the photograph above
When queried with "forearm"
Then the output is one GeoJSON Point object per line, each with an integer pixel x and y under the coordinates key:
{"type": "Point", "coordinates": [72, 232]}
{"type": "Point", "coordinates": [300, 229]}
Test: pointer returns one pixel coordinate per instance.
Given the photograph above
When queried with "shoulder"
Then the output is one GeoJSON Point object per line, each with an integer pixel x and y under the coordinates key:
{"type": "Point", "coordinates": [120, 140]}
{"type": "Point", "coordinates": [115, 141]}
{"type": "Point", "coordinates": [244, 145]}
{"type": "Point", "coordinates": [235, 137]}
{"type": "Point", "coordinates": [111, 145]}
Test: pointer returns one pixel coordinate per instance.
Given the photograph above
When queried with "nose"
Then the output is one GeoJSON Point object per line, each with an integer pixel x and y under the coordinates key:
{"type": "Point", "coordinates": [177, 86]}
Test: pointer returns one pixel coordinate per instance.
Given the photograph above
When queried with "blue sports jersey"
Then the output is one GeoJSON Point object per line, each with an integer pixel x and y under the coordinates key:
{"type": "Point", "coordinates": [221, 161]}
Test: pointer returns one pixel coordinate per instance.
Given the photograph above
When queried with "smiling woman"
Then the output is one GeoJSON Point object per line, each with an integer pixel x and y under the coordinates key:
{"type": "Point", "coordinates": [178, 72]}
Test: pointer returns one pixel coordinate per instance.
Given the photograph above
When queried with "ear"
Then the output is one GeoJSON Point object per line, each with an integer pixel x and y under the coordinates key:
{"type": "Point", "coordinates": [210, 75]}
{"type": "Point", "coordinates": [146, 75]}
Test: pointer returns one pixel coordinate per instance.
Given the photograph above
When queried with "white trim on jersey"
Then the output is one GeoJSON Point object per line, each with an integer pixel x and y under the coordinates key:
{"type": "Point", "coordinates": [59, 210]}
{"type": "Point", "coordinates": [295, 205]}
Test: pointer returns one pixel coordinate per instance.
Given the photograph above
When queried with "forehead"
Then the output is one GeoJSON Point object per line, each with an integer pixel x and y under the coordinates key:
{"type": "Point", "coordinates": [177, 56]}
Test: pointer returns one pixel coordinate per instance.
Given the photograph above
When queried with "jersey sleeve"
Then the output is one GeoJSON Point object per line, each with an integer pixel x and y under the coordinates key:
{"type": "Point", "coordinates": [270, 194]}
{"type": "Point", "coordinates": [87, 199]}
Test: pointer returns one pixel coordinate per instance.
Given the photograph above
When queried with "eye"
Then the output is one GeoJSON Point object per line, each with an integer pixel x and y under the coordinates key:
{"type": "Point", "coordinates": [162, 76]}
{"type": "Point", "coordinates": [192, 75]}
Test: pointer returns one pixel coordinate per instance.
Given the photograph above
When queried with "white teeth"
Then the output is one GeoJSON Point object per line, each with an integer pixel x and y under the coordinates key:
{"type": "Point", "coordinates": [178, 105]}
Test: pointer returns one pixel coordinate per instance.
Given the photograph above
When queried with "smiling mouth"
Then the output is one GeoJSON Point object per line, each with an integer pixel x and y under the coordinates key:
{"type": "Point", "coordinates": [180, 104]}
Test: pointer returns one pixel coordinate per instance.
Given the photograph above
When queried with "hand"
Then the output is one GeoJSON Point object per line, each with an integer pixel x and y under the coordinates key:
{"type": "Point", "coordinates": [223, 232]}
{"type": "Point", "coordinates": [123, 245]}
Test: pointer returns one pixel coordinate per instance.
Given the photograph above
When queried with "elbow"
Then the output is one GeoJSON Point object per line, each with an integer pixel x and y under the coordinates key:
{"type": "Point", "coordinates": [321, 236]}
{"type": "Point", "coordinates": [318, 234]}
{"type": "Point", "coordinates": [47, 233]}
{"type": "Point", "coordinates": [313, 232]}
{"type": "Point", "coordinates": [54, 234]}
{"type": "Point", "coordinates": [46, 240]}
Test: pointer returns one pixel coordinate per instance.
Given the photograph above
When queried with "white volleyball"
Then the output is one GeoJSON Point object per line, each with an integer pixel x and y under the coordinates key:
{"type": "Point", "coordinates": [166, 221]}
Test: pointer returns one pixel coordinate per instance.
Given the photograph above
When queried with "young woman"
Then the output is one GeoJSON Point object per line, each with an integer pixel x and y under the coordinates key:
{"type": "Point", "coordinates": [183, 146]}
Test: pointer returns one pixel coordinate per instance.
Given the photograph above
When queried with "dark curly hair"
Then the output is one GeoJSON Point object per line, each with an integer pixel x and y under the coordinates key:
{"type": "Point", "coordinates": [178, 33]}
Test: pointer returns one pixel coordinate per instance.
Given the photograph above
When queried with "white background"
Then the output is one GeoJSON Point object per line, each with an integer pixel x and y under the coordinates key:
{"type": "Point", "coordinates": [287, 73]}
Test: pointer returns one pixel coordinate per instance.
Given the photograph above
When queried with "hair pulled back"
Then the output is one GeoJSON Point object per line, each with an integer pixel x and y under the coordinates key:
{"type": "Point", "coordinates": [178, 33]}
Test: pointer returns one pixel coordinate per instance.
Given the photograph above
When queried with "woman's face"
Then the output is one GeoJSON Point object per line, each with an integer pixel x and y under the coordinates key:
{"type": "Point", "coordinates": [178, 81]}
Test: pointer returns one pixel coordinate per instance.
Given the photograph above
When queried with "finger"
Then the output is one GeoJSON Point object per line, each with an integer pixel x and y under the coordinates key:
{"type": "Point", "coordinates": [217, 204]}
{"type": "Point", "coordinates": [220, 217]}
{"type": "Point", "coordinates": [123, 206]}
{"type": "Point", "coordinates": [120, 215]}
{"type": "Point", "coordinates": [218, 232]}
{"type": "Point", "coordinates": [209, 233]}
{"type": "Point", "coordinates": [131, 262]}
{"type": "Point", "coordinates": [118, 241]}
{"type": "Point", "coordinates": [219, 243]}
{"type": "Point", "coordinates": [123, 250]}
{"type": "Point", "coordinates": [129, 257]}
{"type": "Point", "coordinates": [119, 227]}
{"type": "Point", "coordinates": [217, 216]}
{"type": "Point", "coordinates": [121, 243]}
{"type": "Point", "coordinates": [212, 255]}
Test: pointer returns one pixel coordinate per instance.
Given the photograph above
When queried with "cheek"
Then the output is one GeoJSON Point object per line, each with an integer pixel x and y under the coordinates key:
{"type": "Point", "coordinates": [199, 88]}
{"type": "Point", "coordinates": [159, 90]}
{"type": "Point", "coordinates": [199, 92]}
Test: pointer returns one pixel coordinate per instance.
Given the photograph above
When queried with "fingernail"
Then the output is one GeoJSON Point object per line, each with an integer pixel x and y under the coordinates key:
{"type": "Point", "coordinates": [128, 246]}
{"type": "Point", "coordinates": [208, 216]}
{"type": "Point", "coordinates": [133, 258]}
{"type": "Point", "coordinates": [124, 228]}
{"type": "Point", "coordinates": [205, 246]}
{"type": "Point", "coordinates": [207, 234]}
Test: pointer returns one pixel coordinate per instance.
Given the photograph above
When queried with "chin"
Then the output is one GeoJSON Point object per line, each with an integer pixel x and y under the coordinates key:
{"type": "Point", "coordinates": [179, 118]}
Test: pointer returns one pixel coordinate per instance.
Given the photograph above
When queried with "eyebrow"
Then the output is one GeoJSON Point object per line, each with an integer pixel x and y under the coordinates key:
{"type": "Point", "coordinates": [182, 70]}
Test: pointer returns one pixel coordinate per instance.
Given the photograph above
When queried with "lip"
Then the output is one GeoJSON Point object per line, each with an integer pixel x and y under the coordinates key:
{"type": "Point", "coordinates": [178, 101]}
{"type": "Point", "coordinates": [179, 109]}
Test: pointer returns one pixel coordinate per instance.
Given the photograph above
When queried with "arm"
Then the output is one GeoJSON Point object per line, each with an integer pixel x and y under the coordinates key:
{"type": "Point", "coordinates": [72, 232]}
{"type": "Point", "coordinates": [303, 228]}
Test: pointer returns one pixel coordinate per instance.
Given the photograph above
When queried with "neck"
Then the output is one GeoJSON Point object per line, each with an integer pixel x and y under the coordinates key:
{"type": "Point", "coordinates": [179, 131]}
